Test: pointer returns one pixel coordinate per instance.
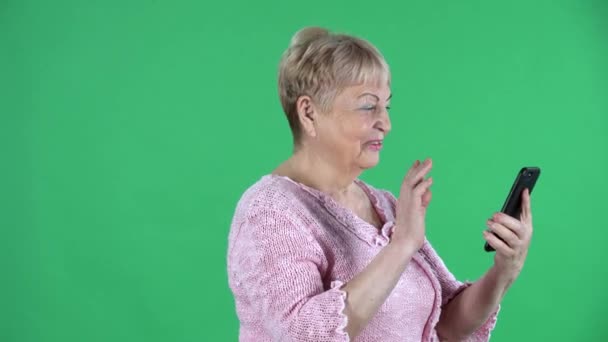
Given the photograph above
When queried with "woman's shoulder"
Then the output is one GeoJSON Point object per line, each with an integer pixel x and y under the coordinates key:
{"type": "Point", "coordinates": [270, 193]}
{"type": "Point", "coordinates": [271, 204]}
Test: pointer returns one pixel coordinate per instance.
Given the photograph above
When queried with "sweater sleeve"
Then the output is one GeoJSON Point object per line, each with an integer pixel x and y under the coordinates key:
{"type": "Point", "coordinates": [276, 265]}
{"type": "Point", "coordinates": [451, 287]}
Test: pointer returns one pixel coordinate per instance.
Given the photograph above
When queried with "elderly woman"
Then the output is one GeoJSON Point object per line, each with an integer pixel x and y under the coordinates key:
{"type": "Point", "coordinates": [316, 254]}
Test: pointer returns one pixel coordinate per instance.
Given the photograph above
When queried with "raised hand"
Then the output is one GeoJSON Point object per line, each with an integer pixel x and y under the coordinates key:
{"type": "Point", "coordinates": [414, 198]}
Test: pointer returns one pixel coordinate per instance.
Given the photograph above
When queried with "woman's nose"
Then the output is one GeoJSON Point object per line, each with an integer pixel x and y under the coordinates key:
{"type": "Point", "coordinates": [384, 122]}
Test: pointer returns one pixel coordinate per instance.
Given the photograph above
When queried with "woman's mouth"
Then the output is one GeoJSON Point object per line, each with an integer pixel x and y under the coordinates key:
{"type": "Point", "coordinates": [374, 145]}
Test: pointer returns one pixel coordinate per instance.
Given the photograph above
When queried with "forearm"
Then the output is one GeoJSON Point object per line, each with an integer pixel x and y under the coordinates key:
{"type": "Point", "coordinates": [370, 288]}
{"type": "Point", "coordinates": [471, 308]}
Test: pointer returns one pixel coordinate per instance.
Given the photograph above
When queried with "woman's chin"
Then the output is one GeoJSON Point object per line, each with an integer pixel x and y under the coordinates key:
{"type": "Point", "coordinates": [370, 161]}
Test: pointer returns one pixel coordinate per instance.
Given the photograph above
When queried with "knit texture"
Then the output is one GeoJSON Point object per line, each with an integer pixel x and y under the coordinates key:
{"type": "Point", "coordinates": [291, 248]}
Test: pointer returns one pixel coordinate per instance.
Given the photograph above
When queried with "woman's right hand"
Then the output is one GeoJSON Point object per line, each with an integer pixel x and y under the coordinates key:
{"type": "Point", "coordinates": [410, 211]}
{"type": "Point", "coordinates": [368, 289]}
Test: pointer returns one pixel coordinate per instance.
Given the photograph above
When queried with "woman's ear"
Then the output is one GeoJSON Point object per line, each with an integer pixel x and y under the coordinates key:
{"type": "Point", "coordinates": [307, 114]}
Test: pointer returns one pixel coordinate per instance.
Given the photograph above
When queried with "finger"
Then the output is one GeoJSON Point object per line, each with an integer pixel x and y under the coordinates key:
{"type": "Point", "coordinates": [422, 170]}
{"type": "Point", "coordinates": [426, 198]}
{"type": "Point", "coordinates": [504, 233]}
{"type": "Point", "coordinates": [497, 244]}
{"type": "Point", "coordinates": [423, 163]}
{"type": "Point", "coordinates": [421, 188]}
{"type": "Point", "coordinates": [411, 169]}
{"type": "Point", "coordinates": [526, 206]}
{"type": "Point", "coordinates": [511, 223]}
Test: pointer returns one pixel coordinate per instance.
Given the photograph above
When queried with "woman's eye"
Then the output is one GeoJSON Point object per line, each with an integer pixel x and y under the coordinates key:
{"type": "Point", "coordinates": [369, 108]}
{"type": "Point", "coordinates": [388, 107]}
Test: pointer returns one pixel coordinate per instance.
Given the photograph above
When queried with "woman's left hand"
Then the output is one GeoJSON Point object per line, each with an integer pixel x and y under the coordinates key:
{"type": "Point", "coordinates": [516, 235]}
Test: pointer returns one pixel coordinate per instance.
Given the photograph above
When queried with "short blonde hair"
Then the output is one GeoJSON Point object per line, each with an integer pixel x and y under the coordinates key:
{"type": "Point", "coordinates": [320, 64]}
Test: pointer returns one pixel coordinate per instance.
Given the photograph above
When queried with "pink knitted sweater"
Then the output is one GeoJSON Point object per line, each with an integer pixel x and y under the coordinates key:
{"type": "Point", "coordinates": [292, 247]}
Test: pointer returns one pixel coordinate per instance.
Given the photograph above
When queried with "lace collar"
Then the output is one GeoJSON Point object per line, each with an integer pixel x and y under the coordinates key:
{"type": "Point", "coordinates": [352, 222]}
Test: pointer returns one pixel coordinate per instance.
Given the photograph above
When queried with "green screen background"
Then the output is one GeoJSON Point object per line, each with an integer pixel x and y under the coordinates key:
{"type": "Point", "coordinates": [129, 130]}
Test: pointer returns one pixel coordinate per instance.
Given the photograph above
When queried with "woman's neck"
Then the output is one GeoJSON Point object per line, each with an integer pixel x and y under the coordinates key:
{"type": "Point", "coordinates": [312, 170]}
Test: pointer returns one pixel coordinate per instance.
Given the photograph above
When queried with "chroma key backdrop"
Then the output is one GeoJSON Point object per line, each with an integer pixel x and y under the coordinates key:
{"type": "Point", "coordinates": [130, 129]}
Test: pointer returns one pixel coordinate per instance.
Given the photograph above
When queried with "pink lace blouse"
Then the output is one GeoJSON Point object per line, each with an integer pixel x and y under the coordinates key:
{"type": "Point", "coordinates": [292, 247]}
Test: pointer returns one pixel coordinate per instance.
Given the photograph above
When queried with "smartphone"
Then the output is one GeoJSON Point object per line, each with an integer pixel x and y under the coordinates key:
{"type": "Point", "coordinates": [526, 178]}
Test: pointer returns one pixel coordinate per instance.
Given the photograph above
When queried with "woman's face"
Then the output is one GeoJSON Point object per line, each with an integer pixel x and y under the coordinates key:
{"type": "Point", "coordinates": [352, 133]}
